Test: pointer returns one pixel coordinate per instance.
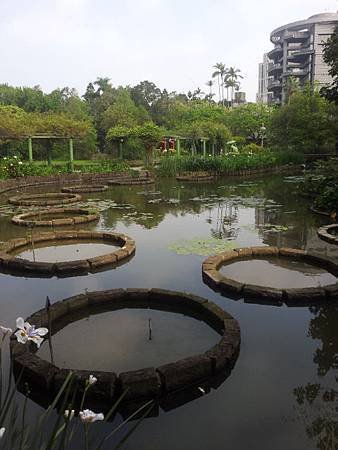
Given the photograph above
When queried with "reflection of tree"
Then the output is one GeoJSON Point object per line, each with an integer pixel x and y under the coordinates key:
{"type": "Point", "coordinates": [324, 327]}
{"type": "Point", "coordinates": [227, 215]}
{"type": "Point", "coordinates": [316, 408]}
{"type": "Point", "coordinates": [316, 404]}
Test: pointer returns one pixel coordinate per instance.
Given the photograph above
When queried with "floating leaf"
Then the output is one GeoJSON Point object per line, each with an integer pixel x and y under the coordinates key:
{"type": "Point", "coordinates": [201, 246]}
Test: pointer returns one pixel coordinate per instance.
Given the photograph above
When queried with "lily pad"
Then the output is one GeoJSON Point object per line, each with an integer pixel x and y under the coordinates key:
{"type": "Point", "coordinates": [201, 246]}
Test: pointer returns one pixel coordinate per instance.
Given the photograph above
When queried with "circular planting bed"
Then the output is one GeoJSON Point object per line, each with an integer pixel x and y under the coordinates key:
{"type": "Point", "coordinates": [150, 382]}
{"type": "Point", "coordinates": [195, 176]}
{"type": "Point", "coordinates": [309, 295]}
{"type": "Point", "coordinates": [56, 217]}
{"type": "Point", "coordinates": [9, 263]}
{"type": "Point", "coordinates": [85, 189]}
{"type": "Point", "coordinates": [48, 199]}
{"type": "Point", "coordinates": [326, 233]}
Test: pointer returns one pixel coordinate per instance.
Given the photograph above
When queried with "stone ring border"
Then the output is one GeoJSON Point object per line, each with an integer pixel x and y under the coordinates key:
{"type": "Point", "coordinates": [213, 278]}
{"type": "Point", "coordinates": [198, 176]}
{"type": "Point", "coordinates": [85, 189]}
{"type": "Point", "coordinates": [324, 233]}
{"type": "Point", "coordinates": [12, 264]}
{"type": "Point", "coordinates": [131, 181]}
{"type": "Point", "coordinates": [48, 199]}
{"type": "Point", "coordinates": [31, 219]}
{"type": "Point", "coordinates": [147, 382]}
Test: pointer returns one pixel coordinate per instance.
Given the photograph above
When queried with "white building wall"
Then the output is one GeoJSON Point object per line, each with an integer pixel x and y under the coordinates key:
{"type": "Point", "coordinates": [320, 70]}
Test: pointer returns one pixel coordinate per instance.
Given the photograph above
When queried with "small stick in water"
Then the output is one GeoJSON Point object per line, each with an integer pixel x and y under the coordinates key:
{"type": "Point", "coordinates": [49, 330]}
{"type": "Point", "coordinates": [32, 240]}
{"type": "Point", "coordinates": [149, 329]}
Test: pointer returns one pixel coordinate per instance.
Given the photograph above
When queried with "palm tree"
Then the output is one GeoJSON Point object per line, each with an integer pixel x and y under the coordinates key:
{"type": "Point", "coordinates": [220, 73]}
{"type": "Point", "coordinates": [210, 84]}
{"type": "Point", "coordinates": [233, 85]}
{"type": "Point", "coordinates": [197, 94]}
{"type": "Point", "coordinates": [232, 75]}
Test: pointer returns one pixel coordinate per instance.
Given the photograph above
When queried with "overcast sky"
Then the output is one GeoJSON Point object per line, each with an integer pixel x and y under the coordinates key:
{"type": "Point", "coordinates": [174, 43]}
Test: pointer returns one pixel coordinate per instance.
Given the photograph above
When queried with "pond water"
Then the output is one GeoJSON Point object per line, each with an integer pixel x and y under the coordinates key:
{"type": "Point", "coordinates": [278, 272]}
{"type": "Point", "coordinates": [62, 251]}
{"type": "Point", "coordinates": [278, 389]}
{"type": "Point", "coordinates": [129, 339]}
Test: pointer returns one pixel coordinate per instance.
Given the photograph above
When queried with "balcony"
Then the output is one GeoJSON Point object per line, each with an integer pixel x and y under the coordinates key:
{"type": "Point", "coordinates": [295, 73]}
{"type": "Point", "coordinates": [296, 36]}
{"type": "Point", "coordinates": [275, 67]}
{"type": "Point", "coordinates": [276, 52]}
{"type": "Point", "coordinates": [302, 51]}
{"type": "Point", "coordinates": [274, 84]}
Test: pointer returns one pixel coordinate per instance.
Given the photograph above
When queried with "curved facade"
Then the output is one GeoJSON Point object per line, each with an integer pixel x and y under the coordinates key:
{"type": "Point", "coordinates": [297, 53]}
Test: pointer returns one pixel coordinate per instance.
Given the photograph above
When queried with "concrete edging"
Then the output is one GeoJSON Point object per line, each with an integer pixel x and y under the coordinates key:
{"type": "Point", "coordinates": [324, 233]}
{"type": "Point", "coordinates": [31, 219]}
{"type": "Point", "coordinates": [48, 199]}
{"type": "Point", "coordinates": [9, 263]}
{"type": "Point", "coordinates": [213, 278]}
{"type": "Point", "coordinates": [147, 382]}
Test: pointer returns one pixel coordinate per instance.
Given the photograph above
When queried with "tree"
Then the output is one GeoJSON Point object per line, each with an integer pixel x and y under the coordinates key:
{"type": "Point", "coordinates": [247, 120]}
{"type": "Point", "coordinates": [123, 112]}
{"type": "Point", "coordinates": [232, 75]}
{"type": "Point", "coordinates": [330, 56]}
{"type": "Point", "coordinates": [307, 123]}
{"type": "Point", "coordinates": [145, 94]}
{"type": "Point", "coordinates": [220, 72]}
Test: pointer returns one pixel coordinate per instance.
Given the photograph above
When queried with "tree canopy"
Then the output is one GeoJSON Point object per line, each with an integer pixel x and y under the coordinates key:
{"type": "Point", "coordinates": [330, 56]}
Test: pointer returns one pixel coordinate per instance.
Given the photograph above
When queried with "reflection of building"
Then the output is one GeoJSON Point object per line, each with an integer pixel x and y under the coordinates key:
{"type": "Point", "coordinates": [297, 53]}
{"type": "Point", "coordinates": [263, 95]}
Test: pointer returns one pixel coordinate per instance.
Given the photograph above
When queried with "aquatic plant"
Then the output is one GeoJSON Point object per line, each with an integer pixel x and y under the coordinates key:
{"type": "Point", "coordinates": [223, 164]}
{"type": "Point", "coordinates": [201, 246]}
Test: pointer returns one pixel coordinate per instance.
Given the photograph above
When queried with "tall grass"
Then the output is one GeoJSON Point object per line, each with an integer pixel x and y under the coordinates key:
{"type": "Point", "coordinates": [170, 166]}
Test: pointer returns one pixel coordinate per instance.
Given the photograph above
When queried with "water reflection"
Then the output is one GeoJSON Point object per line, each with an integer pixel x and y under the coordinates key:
{"type": "Point", "coordinates": [278, 354]}
{"type": "Point", "coordinates": [316, 403]}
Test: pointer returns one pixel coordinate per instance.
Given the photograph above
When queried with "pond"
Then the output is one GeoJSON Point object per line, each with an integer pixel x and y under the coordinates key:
{"type": "Point", "coordinates": [279, 387]}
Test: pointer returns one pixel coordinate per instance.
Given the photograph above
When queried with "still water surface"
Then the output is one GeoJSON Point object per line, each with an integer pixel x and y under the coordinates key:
{"type": "Point", "coordinates": [58, 251]}
{"type": "Point", "coordinates": [279, 273]}
{"type": "Point", "coordinates": [277, 390]}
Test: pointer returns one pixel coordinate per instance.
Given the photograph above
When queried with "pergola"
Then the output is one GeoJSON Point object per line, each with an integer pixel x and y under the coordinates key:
{"type": "Point", "coordinates": [177, 139]}
{"type": "Point", "coordinates": [45, 136]}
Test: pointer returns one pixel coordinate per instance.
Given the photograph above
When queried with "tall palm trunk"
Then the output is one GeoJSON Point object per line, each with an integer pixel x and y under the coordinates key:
{"type": "Point", "coordinates": [222, 89]}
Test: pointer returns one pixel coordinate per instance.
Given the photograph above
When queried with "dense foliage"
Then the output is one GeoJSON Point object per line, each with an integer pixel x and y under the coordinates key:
{"type": "Point", "coordinates": [307, 123]}
{"type": "Point", "coordinates": [321, 186]}
{"type": "Point", "coordinates": [108, 118]}
{"type": "Point", "coordinates": [14, 167]}
{"type": "Point", "coordinates": [330, 56]}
